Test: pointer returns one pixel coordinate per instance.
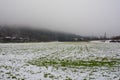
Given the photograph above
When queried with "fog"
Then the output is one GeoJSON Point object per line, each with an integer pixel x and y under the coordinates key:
{"type": "Point", "coordinates": [83, 17]}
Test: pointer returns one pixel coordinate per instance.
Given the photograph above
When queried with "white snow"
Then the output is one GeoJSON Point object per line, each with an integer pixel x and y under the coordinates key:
{"type": "Point", "coordinates": [14, 59]}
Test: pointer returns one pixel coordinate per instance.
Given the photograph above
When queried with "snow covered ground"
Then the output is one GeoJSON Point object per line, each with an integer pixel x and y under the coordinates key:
{"type": "Point", "coordinates": [22, 61]}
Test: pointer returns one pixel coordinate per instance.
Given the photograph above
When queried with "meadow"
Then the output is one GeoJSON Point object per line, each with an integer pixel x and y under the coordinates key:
{"type": "Point", "coordinates": [60, 61]}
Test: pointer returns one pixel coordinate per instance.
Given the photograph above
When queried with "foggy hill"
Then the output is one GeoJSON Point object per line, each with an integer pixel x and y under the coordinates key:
{"type": "Point", "coordinates": [25, 34]}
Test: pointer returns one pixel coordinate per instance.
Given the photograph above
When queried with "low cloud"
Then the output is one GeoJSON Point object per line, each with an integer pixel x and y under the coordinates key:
{"type": "Point", "coordinates": [84, 17]}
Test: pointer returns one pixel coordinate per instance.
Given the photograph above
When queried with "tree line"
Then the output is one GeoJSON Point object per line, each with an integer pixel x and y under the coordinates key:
{"type": "Point", "coordinates": [25, 34]}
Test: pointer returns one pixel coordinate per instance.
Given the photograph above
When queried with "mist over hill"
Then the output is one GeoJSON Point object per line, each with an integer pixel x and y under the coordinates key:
{"type": "Point", "coordinates": [82, 17]}
{"type": "Point", "coordinates": [27, 34]}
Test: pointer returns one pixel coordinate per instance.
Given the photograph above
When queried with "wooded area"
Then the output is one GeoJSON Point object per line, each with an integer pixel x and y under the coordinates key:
{"type": "Point", "coordinates": [25, 34]}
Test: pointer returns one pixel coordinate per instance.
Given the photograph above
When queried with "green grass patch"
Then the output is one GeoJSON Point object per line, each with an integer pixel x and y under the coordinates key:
{"type": "Point", "coordinates": [49, 75]}
{"type": "Point", "coordinates": [72, 63]}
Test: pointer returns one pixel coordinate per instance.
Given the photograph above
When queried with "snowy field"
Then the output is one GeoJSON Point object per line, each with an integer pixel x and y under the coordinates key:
{"type": "Point", "coordinates": [60, 61]}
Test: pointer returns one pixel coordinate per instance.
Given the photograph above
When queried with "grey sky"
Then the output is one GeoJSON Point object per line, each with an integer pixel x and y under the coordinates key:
{"type": "Point", "coordinates": [84, 17]}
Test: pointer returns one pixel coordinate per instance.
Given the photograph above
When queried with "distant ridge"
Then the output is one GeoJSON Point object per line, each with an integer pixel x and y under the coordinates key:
{"type": "Point", "coordinates": [26, 34]}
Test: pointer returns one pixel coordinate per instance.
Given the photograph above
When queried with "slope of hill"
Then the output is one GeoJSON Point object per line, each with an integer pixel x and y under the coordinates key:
{"type": "Point", "coordinates": [25, 34]}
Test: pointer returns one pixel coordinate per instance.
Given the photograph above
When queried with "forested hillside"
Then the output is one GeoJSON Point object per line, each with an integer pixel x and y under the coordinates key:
{"type": "Point", "coordinates": [25, 34]}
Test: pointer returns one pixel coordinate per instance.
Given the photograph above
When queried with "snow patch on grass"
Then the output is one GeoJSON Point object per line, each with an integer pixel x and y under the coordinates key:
{"type": "Point", "coordinates": [60, 61]}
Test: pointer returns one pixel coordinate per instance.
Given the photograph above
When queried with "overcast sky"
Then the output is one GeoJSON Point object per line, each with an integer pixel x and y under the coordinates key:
{"type": "Point", "coordinates": [84, 17]}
